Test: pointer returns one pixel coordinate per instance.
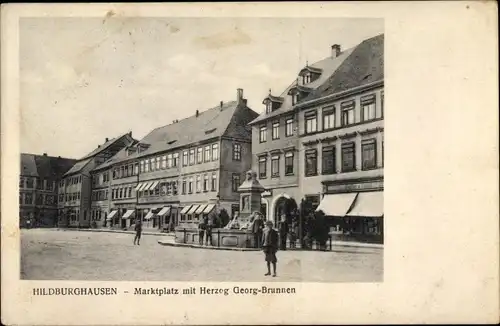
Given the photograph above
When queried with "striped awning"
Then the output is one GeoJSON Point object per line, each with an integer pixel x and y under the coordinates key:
{"type": "Point", "coordinates": [111, 215]}
{"type": "Point", "coordinates": [146, 187]}
{"type": "Point", "coordinates": [200, 209]}
{"type": "Point", "coordinates": [186, 209]}
{"type": "Point", "coordinates": [152, 185]}
{"type": "Point", "coordinates": [164, 211]}
{"type": "Point", "coordinates": [139, 186]}
{"type": "Point", "coordinates": [143, 185]}
{"type": "Point", "coordinates": [193, 209]}
{"type": "Point", "coordinates": [209, 208]}
{"type": "Point", "coordinates": [149, 215]}
{"type": "Point", "coordinates": [128, 214]}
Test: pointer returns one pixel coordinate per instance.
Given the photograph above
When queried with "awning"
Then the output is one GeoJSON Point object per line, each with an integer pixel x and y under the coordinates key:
{"type": "Point", "coordinates": [153, 185]}
{"type": "Point", "coordinates": [200, 209]}
{"type": "Point", "coordinates": [149, 215]}
{"type": "Point", "coordinates": [208, 209]}
{"type": "Point", "coordinates": [337, 204]}
{"type": "Point", "coordinates": [139, 186]}
{"type": "Point", "coordinates": [146, 187]}
{"type": "Point", "coordinates": [164, 211]}
{"type": "Point", "coordinates": [193, 209]}
{"type": "Point", "coordinates": [185, 209]}
{"type": "Point", "coordinates": [128, 214]}
{"type": "Point", "coordinates": [111, 215]}
{"type": "Point", "coordinates": [369, 204]}
{"type": "Point", "coordinates": [143, 185]}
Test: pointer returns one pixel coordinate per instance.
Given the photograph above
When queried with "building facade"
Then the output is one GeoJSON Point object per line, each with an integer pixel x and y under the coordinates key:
{"type": "Point", "coordinates": [182, 170]}
{"type": "Point", "coordinates": [75, 189]}
{"type": "Point", "coordinates": [275, 136]}
{"type": "Point", "coordinates": [39, 187]}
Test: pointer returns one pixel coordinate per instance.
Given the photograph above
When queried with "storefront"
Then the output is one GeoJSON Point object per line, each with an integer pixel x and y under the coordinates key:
{"type": "Point", "coordinates": [354, 209]}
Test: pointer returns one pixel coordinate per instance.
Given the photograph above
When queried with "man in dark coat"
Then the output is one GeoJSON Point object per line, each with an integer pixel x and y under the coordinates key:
{"type": "Point", "coordinates": [270, 247]}
{"type": "Point", "coordinates": [257, 226]}
{"type": "Point", "coordinates": [283, 228]}
{"type": "Point", "coordinates": [138, 231]}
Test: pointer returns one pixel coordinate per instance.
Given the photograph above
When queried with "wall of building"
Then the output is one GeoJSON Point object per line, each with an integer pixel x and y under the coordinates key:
{"type": "Point", "coordinates": [359, 131]}
{"type": "Point", "coordinates": [231, 166]}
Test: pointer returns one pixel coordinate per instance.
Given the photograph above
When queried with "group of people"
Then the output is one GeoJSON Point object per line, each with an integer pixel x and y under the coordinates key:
{"type": "Point", "coordinates": [205, 230]}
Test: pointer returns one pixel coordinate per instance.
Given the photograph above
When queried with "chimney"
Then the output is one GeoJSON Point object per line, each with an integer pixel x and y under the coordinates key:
{"type": "Point", "coordinates": [44, 154]}
{"type": "Point", "coordinates": [130, 133]}
{"type": "Point", "coordinates": [335, 50]}
{"type": "Point", "coordinates": [239, 95]}
{"type": "Point", "coordinates": [106, 139]}
{"type": "Point", "coordinates": [221, 103]}
{"type": "Point", "coordinates": [197, 113]}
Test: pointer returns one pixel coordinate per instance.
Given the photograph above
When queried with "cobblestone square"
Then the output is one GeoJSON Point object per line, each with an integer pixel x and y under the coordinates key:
{"type": "Point", "coordinates": [49, 254]}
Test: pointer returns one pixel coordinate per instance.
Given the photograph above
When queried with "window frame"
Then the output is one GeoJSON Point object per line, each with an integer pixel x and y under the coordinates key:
{"type": "Point", "coordinates": [275, 165]}
{"type": "Point", "coordinates": [262, 159]}
{"type": "Point", "coordinates": [310, 116]}
{"type": "Point", "coordinates": [235, 182]}
{"type": "Point", "coordinates": [311, 152]}
{"type": "Point", "coordinates": [329, 149]}
{"type": "Point", "coordinates": [371, 142]}
{"type": "Point", "coordinates": [215, 152]}
{"type": "Point", "coordinates": [207, 157]}
{"type": "Point", "coordinates": [236, 152]}
{"type": "Point", "coordinates": [185, 158]}
{"type": "Point", "coordinates": [275, 130]}
{"type": "Point", "coordinates": [345, 109]}
{"type": "Point", "coordinates": [289, 155]}
{"type": "Point", "coordinates": [351, 145]}
{"type": "Point", "coordinates": [328, 111]}
{"type": "Point", "coordinates": [289, 123]}
{"type": "Point", "coordinates": [263, 134]}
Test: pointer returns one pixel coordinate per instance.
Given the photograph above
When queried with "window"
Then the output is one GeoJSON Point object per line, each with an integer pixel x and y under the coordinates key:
{"type": "Point", "coordinates": [190, 188]}
{"type": "Point", "coordinates": [236, 152]}
{"type": "Point", "coordinates": [236, 182]}
{"type": "Point", "coordinates": [28, 198]}
{"type": "Point", "coordinates": [174, 188]}
{"type": "Point", "coordinates": [295, 98]}
{"type": "Point", "coordinates": [129, 192]}
{"type": "Point", "coordinates": [328, 160]}
{"type": "Point", "coordinates": [289, 127]}
{"type": "Point", "coordinates": [184, 186]}
{"type": "Point", "coordinates": [158, 163]}
{"type": "Point", "coordinates": [263, 134]}
{"type": "Point", "coordinates": [49, 200]}
{"type": "Point", "coordinates": [369, 154]}
{"type": "Point", "coordinates": [275, 166]}
{"type": "Point", "coordinates": [347, 113]}
{"type": "Point", "coordinates": [275, 134]}
{"type": "Point", "coordinates": [21, 182]}
{"type": "Point", "coordinates": [214, 181]}
{"type": "Point", "coordinates": [329, 118]}
{"type": "Point", "coordinates": [311, 163]}
{"type": "Point", "coordinates": [175, 160]}
{"type": "Point", "coordinates": [157, 191]}
{"type": "Point", "coordinates": [39, 199]}
{"type": "Point", "coordinates": [39, 183]}
{"type": "Point", "coordinates": [199, 155]}
{"type": "Point", "coordinates": [146, 166]}
{"type": "Point", "coordinates": [169, 161]}
{"type": "Point", "coordinates": [368, 111]}
{"type": "Point", "coordinates": [169, 189]}
{"type": "Point", "coordinates": [29, 183]}
{"type": "Point", "coordinates": [382, 104]}
{"type": "Point", "coordinates": [288, 163]}
{"type": "Point", "coordinates": [215, 152]}
{"type": "Point", "coordinates": [262, 167]}
{"type": "Point", "coordinates": [269, 106]}
{"type": "Point", "coordinates": [191, 156]}
{"type": "Point", "coordinates": [207, 154]}
{"type": "Point", "coordinates": [311, 122]}
{"type": "Point", "coordinates": [348, 157]}
{"type": "Point", "coordinates": [141, 169]}
{"type": "Point", "coordinates": [198, 183]}
{"type": "Point", "coordinates": [205, 182]}
{"type": "Point", "coordinates": [20, 198]}
{"type": "Point", "coordinates": [163, 162]}
{"type": "Point", "coordinates": [185, 158]}
{"type": "Point", "coordinates": [127, 171]}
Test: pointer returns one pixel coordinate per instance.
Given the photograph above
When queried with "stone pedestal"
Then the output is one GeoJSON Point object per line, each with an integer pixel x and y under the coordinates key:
{"type": "Point", "coordinates": [250, 196]}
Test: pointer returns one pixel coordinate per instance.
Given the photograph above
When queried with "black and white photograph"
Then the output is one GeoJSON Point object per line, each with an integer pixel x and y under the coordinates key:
{"type": "Point", "coordinates": [202, 149]}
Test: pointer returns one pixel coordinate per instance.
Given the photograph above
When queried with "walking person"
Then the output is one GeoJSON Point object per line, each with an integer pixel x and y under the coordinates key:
{"type": "Point", "coordinates": [283, 230]}
{"type": "Point", "coordinates": [201, 231]}
{"type": "Point", "coordinates": [208, 231]}
{"type": "Point", "coordinates": [138, 231]}
{"type": "Point", "coordinates": [270, 247]}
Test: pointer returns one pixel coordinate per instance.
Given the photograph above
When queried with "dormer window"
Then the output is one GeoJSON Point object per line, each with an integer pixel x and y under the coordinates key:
{"type": "Point", "coordinates": [272, 103]}
{"type": "Point", "coordinates": [269, 107]}
{"type": "Point", "coordinates": [309, 74]}
{"type": "Point", "coordinates": [306, 79]}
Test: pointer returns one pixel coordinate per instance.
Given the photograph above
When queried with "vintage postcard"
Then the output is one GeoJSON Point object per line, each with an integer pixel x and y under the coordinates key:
{"type": "Point", "coordinates": [226, 163]}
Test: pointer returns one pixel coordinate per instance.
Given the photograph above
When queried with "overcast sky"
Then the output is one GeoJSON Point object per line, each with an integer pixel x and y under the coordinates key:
{"type": "Point", "coordinates": [85, 79]}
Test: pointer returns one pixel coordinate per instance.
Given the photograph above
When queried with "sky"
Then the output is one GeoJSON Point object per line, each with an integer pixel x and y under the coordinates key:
{"type": "Point", "coordinates": [86, 79]}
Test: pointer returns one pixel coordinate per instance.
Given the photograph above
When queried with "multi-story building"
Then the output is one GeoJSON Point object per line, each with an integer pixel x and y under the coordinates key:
{"type": "Point", "coordinates": [75, 189]}
{"type": "Point", "coordinates": [182, 170]}
{"type": "Point", "coordinates": [38, 188]}
{"type": "Point", "coordinates": [275, 135]}
{"type": "Point", "coordinates": [341, 142]}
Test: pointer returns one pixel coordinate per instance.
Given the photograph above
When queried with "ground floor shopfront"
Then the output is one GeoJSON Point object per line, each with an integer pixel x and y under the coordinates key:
{"type": "Point", "coordinates": [277, 202]}
{"type": "Point", "coordinates": [38, 216]}
{"type": "Point", "coordinates": [354, 209]}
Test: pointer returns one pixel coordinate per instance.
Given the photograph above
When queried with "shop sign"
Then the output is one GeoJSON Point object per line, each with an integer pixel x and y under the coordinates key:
{"type": "Point", "coordinates": [377, 185]}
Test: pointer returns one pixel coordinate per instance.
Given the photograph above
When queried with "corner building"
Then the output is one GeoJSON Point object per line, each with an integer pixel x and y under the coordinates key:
{"type": "Point", "coordinates": [183, 170]}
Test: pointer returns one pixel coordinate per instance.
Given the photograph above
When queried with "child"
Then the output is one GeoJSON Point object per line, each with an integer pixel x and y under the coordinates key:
{"type": "Point", "coordinates": [270, 247]}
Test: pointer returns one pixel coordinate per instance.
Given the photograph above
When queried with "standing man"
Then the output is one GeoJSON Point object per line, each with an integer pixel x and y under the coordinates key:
{"type": "Point", "coordinates": [270, 247]}
{"type": "Point", "coordinates": [208, 230]}
{"type": "Point", "coordinates": [257, 226]}
{"type": "Point", "coordinates": [138, 231]}
{"type": "Point", "coordinates": [201, 231]}
{"type": "Point", "coordinates": [283, 229]}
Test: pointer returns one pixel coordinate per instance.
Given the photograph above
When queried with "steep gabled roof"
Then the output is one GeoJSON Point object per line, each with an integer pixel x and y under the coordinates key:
{"type": "Point", "coordinates": [230, 120]}
{"type": "Point", "coordinates": [327, 67]}
{"type": "Point", "coordinates": [364, 66]}
{"type": "Point", "coordinates": [44, 166]}
{"type": "Point", "coordinates": [109, 143]}
{"type": "Point", "coordinates": [78, 166]}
